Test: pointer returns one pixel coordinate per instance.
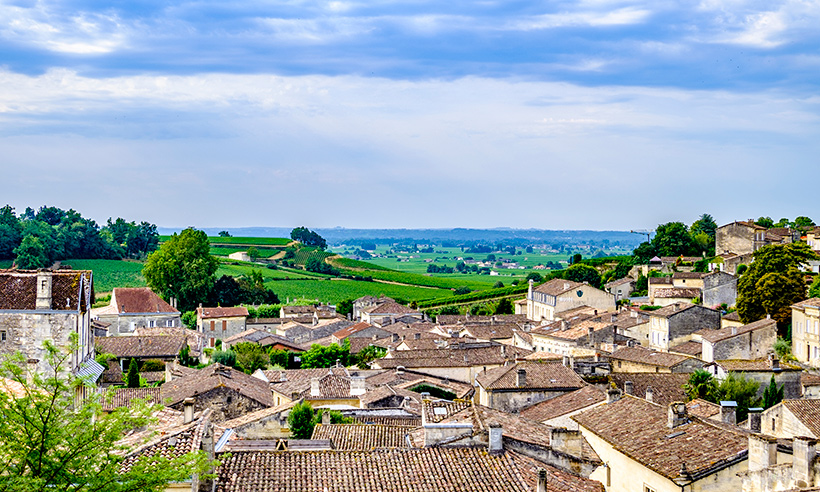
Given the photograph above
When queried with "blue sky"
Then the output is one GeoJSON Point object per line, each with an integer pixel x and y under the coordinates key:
{"type": "Point", "coordinates": [558, 115]}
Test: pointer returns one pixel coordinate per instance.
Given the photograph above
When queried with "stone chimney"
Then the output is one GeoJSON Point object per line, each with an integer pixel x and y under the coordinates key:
{"type": "Point", "coordinates": [727, 412]}
{"type": "Point", "coordinates": [804, 451]}
{"type": "Point", "coordinates": [326, 417]}
{"type": "Point", "coordinates": [188, 410]}
{"type": "Point", "coordinates": [734, 330]}
{"type": "Point", "coordinates": [775, 362]}
{"type": "Point", "coordinates": [613, 318]}
{"type": "Point", "coordinates": [762, 452]}
{"type": "Point", "coordinates": [314, 387]}
{"type": "Point", "coordinates": [496, 441]}
{"type": "Point", "coordinates": [650, 394]}
{"type": "Point", "coordinates": [416, 336]}
{"type": "Point", "coordinates": [565, 361]}
{"type": "Point", "coordinates": [43, 290]}
{"type": "Point", "coordinates": [529, 289]}
{"type": "Point", "coordinates": [395, 337]}
{"type": "Point", "coordinates": [357, 387]}
{"type": "Point", "coordinates": [676, 414]}
{"type": "Point", "coordinates": [628, 388]}
{"type": "Point", "coordinates": [613, 395]}
{"type": "Point", "coordinates": [399, 370]}
{"type": "Point", "coordinates": [567, 441]}
{"type": "Point", "coordinates": [590, 333]}
{"type": "Point", "coordinates": [521, 379]}
{"type": "Point", "coordinates": [753, 421]}
{"type": "Point", "coordinates": [542, 480]}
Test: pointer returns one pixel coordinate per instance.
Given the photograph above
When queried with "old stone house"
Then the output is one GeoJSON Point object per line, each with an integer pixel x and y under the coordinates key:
{"type": "Point", "coordinates": [621, 288]}
{"type": "Point", "coordinates": [751, 341]}
{"type": "Point", "coordinates": [719, 288]}
{"type": "Point", "coordinates": [806, 331]}
{"type": "Point", "coordinates": [641, 359]}
{"type": "Point", "coordinates": [676, 323]}
{"type": "Point", "coordinates": [36, 306]}
{"type": "Point", "coordinates": [558, 411]}
{"type": "Point", "coordinates": [792, 418]}
{"type": "Point", "coordinates": [219, 323]}
{"type": "Point", "coordinates": [138, 307]}
{"type": "Point", "coordinates": [761, 370]}
{"type": "Point", "coordinates": [513, 387]}
{"type": "Point", "coordinates": [546, 301]}
{"type": "Point", "coordinates": [742, 237]}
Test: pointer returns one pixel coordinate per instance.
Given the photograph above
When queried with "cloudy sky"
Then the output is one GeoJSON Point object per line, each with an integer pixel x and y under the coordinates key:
{"type": "Point", "coordinates": [598, 114]}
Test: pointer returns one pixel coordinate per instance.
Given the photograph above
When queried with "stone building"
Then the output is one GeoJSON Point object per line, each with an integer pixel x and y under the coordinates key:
{"type": "Point", "coordinates": [676, 323]}
{"type": "Point", "coordinates": [36, 306]}
{"type": "Point", "coordinates": [719, 288]}
{"type": "Point", "coordinates": [549, 299]}
{"type": "Point", "coordinates": [621, 288]}
{"type": "Point", "coordinates": [806, 331]}
{"type": "Point", "coordinates": [138, 307]}
{"type": "Point", "coordinates": [751, 341]}
{"type": "Point", "coordinates": [516, 386]}
{"type": "Point", "coordinates": [219, 323]}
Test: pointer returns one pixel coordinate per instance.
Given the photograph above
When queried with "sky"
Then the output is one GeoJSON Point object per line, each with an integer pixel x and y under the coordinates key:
{"type": "Point", "coordinates": [596, 114]}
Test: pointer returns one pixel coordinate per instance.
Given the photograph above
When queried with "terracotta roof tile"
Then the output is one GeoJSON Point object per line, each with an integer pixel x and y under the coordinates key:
{"type": "Point", "coordinates": [646, 356]}
{"type": "Point", "coordinates": [813, 302]}
{"type": "Point", "coordinates": [744, 365]}
{"type": "Point", "coordinates": [671, 310]}
{"type": "Point", "coordinates": [434, 411]}
{"type": "Point", "coordinates": [695, 349]}
{"type": "Point", "coordinates": [807, 412]}
{"type": "Point", "coordinates": [139, 300]}
{"type": "Point", "coordinates": [212, 377]}
{"type": "Point", "coordinates": [638, 429]}
{"type": "Point", "coordinates": [222, 312]}
{"type": "Point", "coordinates": [557, 286]}
{"type": "Point", "coordinates": [69, 288]}
{"type": "Point", "coordinates": [538, 375]}
{"type": "Point", "coordinates": [666, 387]}
{"type": "Point", "coordinates": [733, 331]}
{"type": "Point", "coordinates": [122, 397]}
{"type": "Point", "coordinates": [556, 479]}
{"type": "Point", "coordinates": [141, 346]}
{"type": "Point", "coordinates": [363, 437]}
{"type": "Point", "coordinates": [564, 404]}
{"type": "Point", "coordinates": [390, 307]}
{"type": "Point", "coordinates": [702, 408]}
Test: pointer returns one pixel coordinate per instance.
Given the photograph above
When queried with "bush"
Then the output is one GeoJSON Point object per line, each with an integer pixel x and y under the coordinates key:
{"type": "Point", "coordinates": [189, 319]}
{"type": "Point", "coordinates": [300, 421]}
{"type": "Point", "coordinates": [224, 357]}
{"type": "Point", "coordinates": [460, 291]}
{"type": "Point", "coordinates": [535, 277]}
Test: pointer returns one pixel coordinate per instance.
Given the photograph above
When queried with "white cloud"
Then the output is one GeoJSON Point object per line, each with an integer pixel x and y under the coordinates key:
{"type": "Point", "coordinates": [622, 16]}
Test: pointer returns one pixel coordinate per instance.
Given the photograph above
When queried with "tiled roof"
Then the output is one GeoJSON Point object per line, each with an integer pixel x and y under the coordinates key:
{"type": "Point", "coordinates": [660, 280]}
{"type": "Point", "coordinates": [346, 332]}
{"type": "Point", "coordinates": [620, 281]}
{"type": "Point", "coordinates": [539, 375]}
{"type": "Point", "coordinates": [557, 286]}
{"type": "Point", "coordinates": [122, 397]}
{"type": "Point", "coordinates": [434, 411]}
{"type": "Point", "coordinates": [141, 346]}
{"type": "Point", "coordinates": [254, 416]}
{"type": "Point", "coordinates": [688, 275]}
{"type": "Point", "coordinates": [196, 340]}
{"type": "Point", "coordinates": [12, 387]}
{"type": "Point", "coordinates": [139, 300]}
{"type": "Point", "coordinates": [733, 331]}
{"type": "Point", "coordinates": [221, 312]}
{"type": "Point", "coordinates": [174, 444]}
{"type": "Point", "coordinates": [677, 293]}
{"type": "Point", "coordinates": [409, 379]}
{"type": "Point", "coordinates": [638, 429]}
{"type": "Point", "coordinates": [672, 310]}
{"type": "Point", "coordinates": [331, 386]}
{"type": "Point", "coordinates": [363, 437]}
{"type": "Point", "coordinates": [666, 387]}
{"type": "Point", "coordinates": [452, 357]}
{"type": "Point", "coordinates": [490, 332]}
{"type": "Point", "coordinates": [645, 356]}
{"type": "Point", "coordinates": [18, 289]}
{"type": "Point", "coordinates": [809, 379]}
{"type": "Point", "coordinates": [384, 392]}
{"type": "Point", "coordinates": [212, 377]}
{"type": "Point", "coordinates": [575, 330]}
{"type": "Point", "coordinates": [390, 307]}
{"type": "Point", "coordinates": [702, 408]}
{"type": "Point", "coordinates": [468, 319]}
{"type": "Point", "coordinates": [733, 316]}
{"type": "Point", "coordinates": [393, 470]}
{"type": "Point", "coordinates": [813, 302]}
{"type": "Point", "coordinates": [741, 365]}
{"type": "Point", "coordinates": [689, 348]}
{"type": "Point", "coordinates": [564, 404]}
{"type": "Point", "coordinates": [387, 420]}
{"type": "Point", "coordinates": [807, 412]}
{"type": "Point", "coordinates": [557, 480]}
{"type": "Point", "coordinates": [292, 381]}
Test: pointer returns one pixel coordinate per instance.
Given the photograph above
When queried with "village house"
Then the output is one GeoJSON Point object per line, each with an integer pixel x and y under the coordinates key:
{"type": "Point", "coordinates": [641, 359]}
{"type": "Point", "coordinates": [649, 447]}
{"type": "Point", "coordinates": [419, 382]}
{"type": "Point", "coordinates": [792, 418]}
{"type": "Point", "coordinates": [161, 348]}
{"type": "Point", "coordinates": [360, 330]}
{"type": "Point", "coordinates": [577, 338]}
{"type": "Point", "coordinates": [675, 324]}
{"type": "Point", "coordinates": [761, 370]}
{"type": "Point", "coordinates": [743, 237]}
{"type": "Point", "coordinates": [36, 306]}
{"type": "Point", "coordinates": [549, 299]}
{"type": "Point", "coordinates": [810, 384]}
{"type": "Point", "coordinates": [219, 323]}
{"type": "Point", "coordinates": [558, 411]}
{"type": "Point", "coordinates": [263, 424]}
{"type": "Point", "coordinates": [751, 341]}
{"type": "Point", "coordinates": [515, 386]}
{"type": "Point", "coordinates": [385, 313]}
{"type": "Point", "coordinates": [366, 302]}
{"type": "Point", "coordinates": [621, 288]}
{"type": "Point", "coordinates": [318, 311]}
{"type": "Point", "coordinates": [806, 331]}
{"type": "Point", "coordinates": [136, 307]}
{"type": "Point", "coordinates": [719, 288]}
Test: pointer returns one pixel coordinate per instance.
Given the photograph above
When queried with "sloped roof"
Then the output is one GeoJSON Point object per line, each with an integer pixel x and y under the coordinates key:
{"type": "Point", "coordinates": [141, 346]}
{"type": "Point", "coordinates": [646, 356]}
{"type": "Point", "coordinates": [557, 286]}
{"type": "Point", "coordinates": [212, 377]}
{"type": "Point", "coordinates": [539, 375]}
{"type": "Point", "coordinates": [557, 480]}
{"type": "Point", "coordinates": [813, 302]}
{"type": "Point", "coordinates": [564, 404]}
{"type": "Point", "coordinates": [122, 397]}
{"type": "Point", "coordinates": [734, 331]}
{"type": "Point", "coordinates": [18, 289]}
{"type": "Point", "coordinates": [222, 312]}
{"type": "Point", "coordinates": [363, 437]}
{"type": "Point", "coordinates": [675, 309]}
{"type": "Point", "coordinates": [666, 387]}
{"type": "Point", "coordinates": [695, 349]}
{"type": "Point", "coordinates": [638, 429]}
{"type": "Point", "coordinates": [171, 444]}
{"type": "Point", "coordinates": [702, 408]}
{"type": "Point", "coordinates": [390, 307]}
{"type": "Point", "coordinates": [384, 470]}
{"type": "Point", "coordinates": [452, 357]}
{"type": "Point", "coordinates": [807, 412]}
{"type": "Point", "coordinates": [131, 300]}
{"type": "Point", "coordinates": [677, 293]}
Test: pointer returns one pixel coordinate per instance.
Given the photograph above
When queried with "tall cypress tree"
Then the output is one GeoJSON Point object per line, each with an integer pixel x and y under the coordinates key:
{"type": "Point", "coordinates": [133, 374]}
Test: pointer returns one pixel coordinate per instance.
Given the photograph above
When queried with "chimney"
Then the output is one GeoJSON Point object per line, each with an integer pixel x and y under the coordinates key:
{"type": "Point", "coordinates": [727, 412]}
{"type": "Point", "coordinates": [314, 387]}
{"type": "Point", "coordinates": [676, 414]}
{"type": "Point", "coordinates": [650, 394]}
{"type": "Point", "coordinates": [416, 336]}
{"type": "Point", "coordinates": [529, 289]}
{"type": "Point", "coordinates": [496, 444]}
{"type": "Point", "coordinates": [542, 480]}
{"type": "Point", "coordinates": [804, 451]}
{"type": "Point", "coordinates": [762, 452]}
{"type": "Point", "coordinates": [396, 337]}
{"type": "Point", "coordinates": [188, 410]}
{"type": "Point", "coordinates": [734, 330]}
{"type": "Point", "coordinates": [590, 332]}
{"type": "Point", "coordinates": [425, 395]}
{"type": "Point", "coordinates": [399, 370]}
{"type": "Point", "coordinates": [674, 308]}
{"type": "Point", "coordinates": [503, 350]}
{"type": "Point", "coordinates": [613, 395]}
{"type": "Point", "coordinates": [375, 337]}
{"type": "Point", "coordinates": [564, 325]}
{"type": "Point", "coordinates": [628, 388]}
{"type": "Point", "coordinates": [294, 395]}
{"type": "Point", "coordinates": [565, 361]}
{"type": "Point", "coordinates": [521, 380]}
{"type": "Point", "coordinates": [754, 419]}
{"type": "Point", "coordinates": [326, 417]}
{"type": "Point", "coordinates": [775, 362]}
{"type": "Point", "coordinates": [613, 318]}
{"type": "Point", "coordinates": [43, 291]}
{"type": "Point", "coordinates": [357, 387]}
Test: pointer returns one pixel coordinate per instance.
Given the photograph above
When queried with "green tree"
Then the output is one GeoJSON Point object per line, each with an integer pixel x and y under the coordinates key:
{"type": "Point", "coordinates": [773, 394]}
{"type": "Point", "coordinates": [224, 357]}
{"type": "Point", "coordinates": [188, 319]}
{"type": "Point", "coordinates": [535, 277]}
{"type": "Point", "coordinates": [31, 254]}
{"type": "Point", "coordinates": [803, 222]}
{"type": "Point", "coordinates": [133, 377]}
{"type": "Point", "coordinates": [460, 291]}
{"type": "Point", "coordinates": [738, 389]}
{"type": "Point", "coordinates": [253, 253]}
{"type": "Point", "coordinates": [673, 239]}
{"type": "Point", "coordinates": [766, 222]}
{"type": "Point", "coordinates": [814, 289]}
{"type": "Point", "coordinates": [705, 224]}
{"type": "Point", "coordinates": [369, 354]}
{"type": "Point", "coordinates": [504, 306]}
{"type": "Point", "coordinates": [344, 307]}
{"type": "Point", "coordinates": [308, 237]}
{"type": "Point", "coordinates": [224, 234]}
{"type": "Point", "coordinates": [579, 272]}
{"type": "Point", "coordinates": [250, 356]}
{"type": "Point", "coordinates": [319, 356]}
{"type": "Point", "coordinates": [300, 421]}
{"type": "Point", "coordinates": [185, 357]}
{"type": "Point", "coordinates": [498, 285]}
{"type": "Point", "coordinates": [773, 282]}
{"type": "Point", "coordinates": [182, 268]}
{"type": "Point", "coordinates": [51, 441]}
{"type": "Point", "coordinates": [701, 384]}
{"type": "Point", "coordinates": [643, 253]}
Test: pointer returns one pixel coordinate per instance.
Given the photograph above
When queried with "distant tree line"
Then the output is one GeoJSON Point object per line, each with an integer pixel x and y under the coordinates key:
{"type": "Point", "coordinates": [36, 239]}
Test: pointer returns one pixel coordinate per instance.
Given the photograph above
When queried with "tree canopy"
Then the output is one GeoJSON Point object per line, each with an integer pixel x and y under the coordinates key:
{"type": "Point", "coordinates": [182, 268]}
{"type": "Point", "coordinates": [49, 441]}
{"type": "Point", "coordinates": [580, 272]}
{"type": "Point", "coordinates": [308, 237]}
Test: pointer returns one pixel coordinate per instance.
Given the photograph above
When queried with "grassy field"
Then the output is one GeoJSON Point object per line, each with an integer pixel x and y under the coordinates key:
{"type": "Point", "coordinates": [243, 241]}
{"type": "Point", "coordinates": [236, 270]}
{"type": "Point", "coordinates": [333, 291]}
{"type": "Point", "coordinates": [111, 273]}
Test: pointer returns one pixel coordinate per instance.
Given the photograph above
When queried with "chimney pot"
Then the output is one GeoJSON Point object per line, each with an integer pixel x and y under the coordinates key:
{"type": "Point", "coordinates": [650, 394]}
{"type": "Point", "coordinates": [496, 444]}
{"type": "Point", "coordinates": [727, 412]}
{"type": "Point", "coordinates": [314, 387]}
{"type": "Point", "coordinates": [805, 449]}
{"type": "Point", "coordinates": [613, 395]}
{"type": "Point", "coordinates": [521, 381]}
{"type": "Point", "coordinates": [754, 419]}
{"type": "Point", "coordinates": [188, 410]}
{"type": "Point", "coordinates": [542, 480]}
{"type": "Point", "coordinates": [676, 414]}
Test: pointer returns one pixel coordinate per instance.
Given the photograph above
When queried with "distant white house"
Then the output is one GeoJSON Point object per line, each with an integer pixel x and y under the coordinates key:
{"type": "Point", "coordinates": [240, 256]}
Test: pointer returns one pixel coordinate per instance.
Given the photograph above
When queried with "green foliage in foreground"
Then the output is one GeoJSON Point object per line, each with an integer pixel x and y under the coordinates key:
{"type": "Point", "coordinates": [734, 387]}
{"type": "Point", "coordinates": [49, 443]}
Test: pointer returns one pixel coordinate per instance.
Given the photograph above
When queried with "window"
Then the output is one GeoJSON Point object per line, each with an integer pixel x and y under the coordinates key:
{"type": "Point", "coordinates": [151, 323]}
{"type": "Point", "coordinates": [169, 323]}
{"type": "Point", "coordinates": [213, 323]}
{"type": "Point", "coordinates": [773, 421]}
{"type": "Point", "coordinates": [3, 335]}
{"type": "Point", "coordinates": [212, 342]}
{"type": "Point", "coordinates": [224, 325]}
{"type": "Point", "coordinates": [647, 488]}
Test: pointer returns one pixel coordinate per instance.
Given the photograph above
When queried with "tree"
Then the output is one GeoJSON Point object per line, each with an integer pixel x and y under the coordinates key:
{"type": "Point", "coordinates": [300, 421]}
{"type": "Point", "coordinates": [226, 292]}
{"type": "Point", "coordinates": [253, 253]}
{"type": "Point", "coordinates": [188, 319]}
{"type": "Point", "coordinates": [740, 390]}
{"type": "Point", "coordinates": [51, 441]}
{"type": "Point", "coordinates": [534, 276]}
{"type": "Point", "coordinates": [31, 254]}
{"type": "Point", "coordinates": [643, 253]}
{"type": "Point", "coordinates": [504, 306]}
{"type": "Point", "coordinates": [344, 307]}
{"type": "Point", "coordinates": [803, 222]}
{"type": "Point", "coordinates": [766, 222]}
{"type": "Point", "coordinates": [319, 356]}
{"type": "Point", "coordinates": [224, 234]}
{"type": "Point", "coordinates": [182, 268]}
{"type": "Point", "coordinates": [185, 357]}
{"type": "Point", "coordinates": [814, 289]}
{"type": "Point", "coordinates": [773, 394]}
{"type": "Point", "coordinates": [705, 224]}
{"type": "Point", "coordinates": [701, 384]}
{"type": "Point", "coordinates": [579, 272]}
{"type": "Point", "coordinates": [673, 239]}
{"type": "Point", "coordinates": [250, 356]}
{"type": "Point", "coordinates": [133, 378]}
{"type": "Point", "coordinates": [773, 282]}
{"type": "Point", "coordinates": [224, 357]}
{"type": "Point", "coordinates": [308, 237]}
{"type": "Point", "coordinates": [463, 290]}
{"type": "Point", "coordinates": [369, 354]}
{"type": "Point", "coordinates": [498, 285]}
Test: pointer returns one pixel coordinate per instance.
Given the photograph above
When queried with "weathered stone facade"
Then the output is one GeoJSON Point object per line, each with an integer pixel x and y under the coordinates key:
{"type": "Point", "coordinates": [675, 324]}
{"type": "Point", "coordinates": [225, 404]}
{"type": "Point", "coordinates": [719, 288]}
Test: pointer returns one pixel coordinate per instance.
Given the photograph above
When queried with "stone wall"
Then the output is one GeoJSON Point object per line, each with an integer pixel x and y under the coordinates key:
{"type": "Point", "coordinates": [126, 324]}
{"type": "Point", "coordinates": [222, 327]}
{"type": "Point", "coordinates": [734, 238]}
{"type": "Point", "coordinates": [225, 404]}
{"type": "Point", "coordinates": [719, 288]}
{"type": "Point", "coordinates": [27, 330]}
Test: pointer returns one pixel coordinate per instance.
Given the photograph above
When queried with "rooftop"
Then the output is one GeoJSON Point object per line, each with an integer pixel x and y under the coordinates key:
{"type": "Point", "coordinates": [70, 289]}
{"type": "Point", "coordinates": [160, 346]}
{"type": "Point", "coordinates": [557, 286]}
{"type": "Point", "coordinates": [564, 404]}
{"type": "Point", "coordinates": [538, 375]}
{"type": "Point", "coordinates": [643, 355]}
{"type": "Point", "coordinates": [733, 331]}
{"type": "Point", "coordinates": [666, 387]}
{"type": "Point", "coordinates": [222, 312]}
{"type": "Point", "coordinates": [130, 300]}
{"type": "Point", "coordinates": [212, 377]}
{"type": "Point", "coordinates": [363, 437]}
